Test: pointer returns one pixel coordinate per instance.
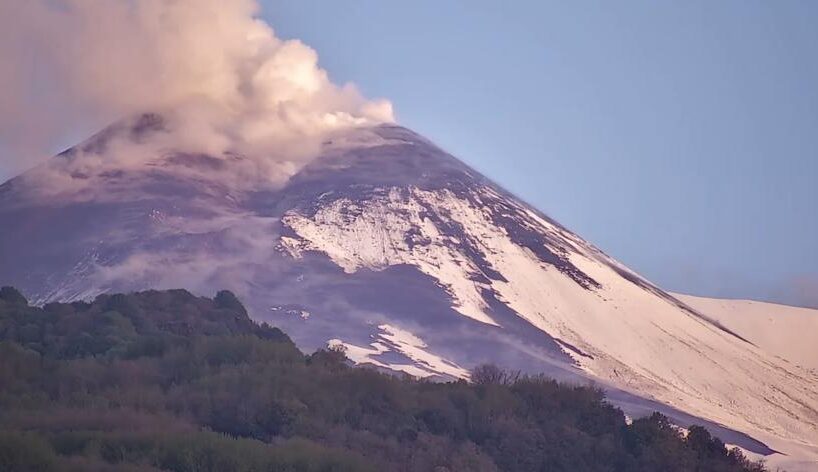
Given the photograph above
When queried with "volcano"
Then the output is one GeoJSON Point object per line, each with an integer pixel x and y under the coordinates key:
{"type": "Point", "coordinates": [409, 259]}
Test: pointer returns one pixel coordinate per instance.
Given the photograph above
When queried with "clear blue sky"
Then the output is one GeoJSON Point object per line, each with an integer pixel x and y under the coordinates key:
{"type": "Point", "coordinates": [680, 137]}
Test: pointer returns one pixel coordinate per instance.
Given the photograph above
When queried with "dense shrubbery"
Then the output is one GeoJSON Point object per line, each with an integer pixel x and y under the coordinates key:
{"type": "Point", "coordinates": [169, 381]}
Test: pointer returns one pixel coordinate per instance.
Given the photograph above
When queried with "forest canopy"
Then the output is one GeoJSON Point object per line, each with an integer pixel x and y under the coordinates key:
{"type": "Point", "coordinates": [165, 380]}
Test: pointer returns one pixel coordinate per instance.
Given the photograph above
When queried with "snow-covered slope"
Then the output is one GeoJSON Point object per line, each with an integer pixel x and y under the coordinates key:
{"type": "Point", "coordinates": [616, 328]}
{"type": "Point", "coordinates": [414, 262]}
{"type": "Point", "coordinates": [783, 331]}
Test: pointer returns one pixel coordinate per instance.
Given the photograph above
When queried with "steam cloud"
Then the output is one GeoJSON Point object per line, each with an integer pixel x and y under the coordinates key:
{"type": "Point", "coordinates": [220, 77]}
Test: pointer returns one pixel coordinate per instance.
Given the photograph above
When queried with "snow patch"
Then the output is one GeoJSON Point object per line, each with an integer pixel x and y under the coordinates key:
{"type": "Point", "coordinates": [379, 236]}
{"type": "Point", "coordinates": [393, 339]}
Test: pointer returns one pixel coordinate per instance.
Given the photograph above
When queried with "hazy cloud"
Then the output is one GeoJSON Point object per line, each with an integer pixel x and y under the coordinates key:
{"type": "Point", "coordinates": [802, 290]}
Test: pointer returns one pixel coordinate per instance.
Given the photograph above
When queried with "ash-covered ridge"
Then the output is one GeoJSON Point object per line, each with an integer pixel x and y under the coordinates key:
{"type": "Point", "coordinates": [415, 262]}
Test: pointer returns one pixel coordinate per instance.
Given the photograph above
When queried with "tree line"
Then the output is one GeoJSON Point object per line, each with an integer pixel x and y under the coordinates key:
{"type": "Point", "coordinates": [167, 381]}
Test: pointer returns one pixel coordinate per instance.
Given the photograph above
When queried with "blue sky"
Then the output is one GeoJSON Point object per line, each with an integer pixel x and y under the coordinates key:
{"type": "Point", "coordinates": [680, 137]}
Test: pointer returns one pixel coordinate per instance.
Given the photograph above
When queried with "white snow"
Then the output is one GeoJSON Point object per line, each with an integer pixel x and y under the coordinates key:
{"type": "Point", "coordinates": [375, 239]}
{"type": "Point", "coordinates": [391, 338]}
{"type": "Point", "coordinates": [638, 340]}
{"type": "Point", "coordinates": [291, 246]}
{"type": "Point", "coordinates": [784, 331]}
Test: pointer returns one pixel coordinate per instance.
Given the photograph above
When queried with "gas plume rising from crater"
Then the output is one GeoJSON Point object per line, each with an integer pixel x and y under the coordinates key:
{"type": "Point", "coordinates": [222, 81]}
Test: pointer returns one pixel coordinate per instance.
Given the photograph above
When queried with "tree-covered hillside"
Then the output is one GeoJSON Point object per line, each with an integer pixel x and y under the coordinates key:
{"type": "Point", "coordinates": [169, 381]}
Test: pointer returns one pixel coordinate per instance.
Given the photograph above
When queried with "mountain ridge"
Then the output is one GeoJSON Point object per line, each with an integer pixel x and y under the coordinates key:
{"type": "Point", "coordinates": [395, 249]}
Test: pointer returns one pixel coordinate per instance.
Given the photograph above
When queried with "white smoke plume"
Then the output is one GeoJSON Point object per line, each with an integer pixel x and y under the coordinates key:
{"type": "Point", "coordinates": [225, 84]}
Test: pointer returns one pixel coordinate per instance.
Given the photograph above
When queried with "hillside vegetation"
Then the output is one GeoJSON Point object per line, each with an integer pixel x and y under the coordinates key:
{"type": "Point", "coordinates": [169, 381]}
